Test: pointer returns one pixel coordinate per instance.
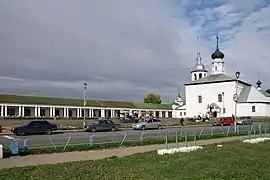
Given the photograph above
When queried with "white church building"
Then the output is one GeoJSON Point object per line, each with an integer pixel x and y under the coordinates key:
{"type": "Point", "coordinates": [218, 95]}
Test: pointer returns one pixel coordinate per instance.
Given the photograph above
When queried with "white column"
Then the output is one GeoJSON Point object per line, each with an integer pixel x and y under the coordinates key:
{"type": "Point", "coordinates": [90, 112]}
{"type": "Point", "coordinates": [112, 113]}
{"type": "Point", "coordinates": [6, 113]}
{"type": "Point", "coordinates": [22, 111]}
{"type": "Point", "coordinates": [67, 112]}
{"type": "Point", "coordinates": [2, 111]}
{"type": "Point", "coordinates": [78, 113]}
{"type": "Point", "coordinates": [50, 112]}
{"type": "Point", "coordinates": [166, 114]}
{"type": "Point", "coordinates": [154, 113]}
{"type": "Point", "coordinates": [139, 113]}
{"type": "Point", "coordinates": [38, 111]}
{"type": "Point", "coordinates": [103, 113]}
{"type": "Point", "coordinates": [53, 112]}
{"type": "Point", "coordinates": [160, 114]}
{"type": "Point", "coordinates": [36, 114]}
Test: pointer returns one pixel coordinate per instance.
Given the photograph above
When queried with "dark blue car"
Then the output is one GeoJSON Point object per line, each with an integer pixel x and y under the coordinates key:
{"type": "Point", "coordinates": [35, 127]}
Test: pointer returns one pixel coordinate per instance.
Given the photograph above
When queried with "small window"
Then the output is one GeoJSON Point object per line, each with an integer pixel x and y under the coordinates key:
{"type": "Point", "coordinates": [219, 98]}
{"type": "Point", "coordinates": [253, 109]}
{"type": "Point", "coordinates": [195, 76]}
{"type": "Point", "coordinates": [184, 113]}
{"type": "Point", "coordinates": [224, 110]}
{"type": "Point", "coordinates": [200, 99]}
{"type": "Point", "coordinates": [180, 113]}
{"type": "Point", "coordinates": [200, 75]}
{"type": "Point", "coordinates": [154, 120]}
{"type": "Point", "coordinates": [215, 68]}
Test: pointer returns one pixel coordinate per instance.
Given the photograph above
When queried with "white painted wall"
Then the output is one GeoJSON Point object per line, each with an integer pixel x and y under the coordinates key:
{"type": "Point", "coordinates": [245, 109]}
{"type": "Point", "coordinates": [218, 66]}
{"type": "Point", "coordinates": [180, 112]}
{"type": "Point", "coordinates": [209, 93]}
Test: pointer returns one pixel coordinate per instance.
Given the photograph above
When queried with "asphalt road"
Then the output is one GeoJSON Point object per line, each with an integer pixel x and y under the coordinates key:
{"type": "Point", "coordinates": [40, 141]}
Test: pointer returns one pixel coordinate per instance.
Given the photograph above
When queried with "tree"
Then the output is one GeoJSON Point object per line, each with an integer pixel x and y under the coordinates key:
{"type": "Point", "coordinates": [268, 91]}
{"type": "Point", "coordinates": [152, 98]}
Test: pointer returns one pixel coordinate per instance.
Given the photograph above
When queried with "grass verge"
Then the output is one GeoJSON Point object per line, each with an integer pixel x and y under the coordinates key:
{"type": "Point", "coordinates": [150, 166]}
{"type": "Point", "coordinates": [116, 144]}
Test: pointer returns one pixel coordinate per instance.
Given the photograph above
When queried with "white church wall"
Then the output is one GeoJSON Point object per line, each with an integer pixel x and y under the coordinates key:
{"type": "Point", "coordinates": [245, 109]}
{"type": "Point", "coordinates": [209, 93]}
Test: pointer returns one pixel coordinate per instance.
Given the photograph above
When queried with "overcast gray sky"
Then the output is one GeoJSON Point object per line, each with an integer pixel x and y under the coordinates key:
{"type": "Point", "coordinates": [125, 49]}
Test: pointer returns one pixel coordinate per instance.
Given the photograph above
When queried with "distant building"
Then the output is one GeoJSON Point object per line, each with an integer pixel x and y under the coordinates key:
{"type": "Point", "coordinates": [48, 107]}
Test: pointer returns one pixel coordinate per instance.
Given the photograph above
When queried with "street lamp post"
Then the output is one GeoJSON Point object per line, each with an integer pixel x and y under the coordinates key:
{"type": "Point", "coordinates": [237, 75]}
{"type": "Point", "coordinates": [223, 104]}
{"type": "Point", "coordinates": [84, 103]}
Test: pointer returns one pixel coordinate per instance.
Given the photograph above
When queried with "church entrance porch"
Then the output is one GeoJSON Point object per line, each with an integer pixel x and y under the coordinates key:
{"type": "Point", "coordinates": [213, 110]}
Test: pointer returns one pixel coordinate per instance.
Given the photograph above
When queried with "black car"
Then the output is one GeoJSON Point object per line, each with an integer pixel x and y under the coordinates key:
{"type": "Point", "coordinates": [102, 125]}
{"type": "Point", "coordinates": [35, 127]}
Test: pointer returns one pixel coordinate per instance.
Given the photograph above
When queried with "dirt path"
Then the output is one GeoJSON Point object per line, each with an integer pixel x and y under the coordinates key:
{"type": "Point", "coordinates": [55, 158]}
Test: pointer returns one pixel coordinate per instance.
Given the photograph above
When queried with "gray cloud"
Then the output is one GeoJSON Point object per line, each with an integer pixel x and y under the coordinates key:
{"type": "Point", "coordinates": [123, 49]}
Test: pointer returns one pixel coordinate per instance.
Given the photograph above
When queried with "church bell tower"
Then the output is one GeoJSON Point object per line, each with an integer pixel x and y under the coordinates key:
{"type": "Point", "coordinates": [218, 62]}
{"type": "Point", "coordinates": [199, 70]}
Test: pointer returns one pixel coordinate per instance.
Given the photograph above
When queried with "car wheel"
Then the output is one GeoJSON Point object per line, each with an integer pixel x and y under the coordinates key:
{"type": "Point", "coordinates": [48, 132]}
{"type": "Point", "coordinates": [143, 128]}
{"type": "Point", "coordinates": [21, 133]}
{"type": "Point", "coordinates": [159, 127]}
{"type": "Point", "coordinates": [93, 130]}
{"type": "Point", "coordinates": [113, 129]}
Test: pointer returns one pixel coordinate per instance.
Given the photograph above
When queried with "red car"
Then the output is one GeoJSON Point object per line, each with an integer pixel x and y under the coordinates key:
{"type": "Point", "coordinates": [225, 121]}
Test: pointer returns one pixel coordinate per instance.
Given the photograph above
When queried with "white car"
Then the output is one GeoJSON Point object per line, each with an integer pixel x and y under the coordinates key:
{"type": "Point", "coordinates": [148, 124]}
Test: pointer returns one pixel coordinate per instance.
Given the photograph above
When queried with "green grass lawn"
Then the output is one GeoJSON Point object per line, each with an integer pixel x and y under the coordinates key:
{"type": "Point", "coordinates": [233, 161]}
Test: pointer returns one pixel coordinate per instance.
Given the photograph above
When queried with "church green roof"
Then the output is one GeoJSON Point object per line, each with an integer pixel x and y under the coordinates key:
{"type": "Point", "coordinates": [24, 99]}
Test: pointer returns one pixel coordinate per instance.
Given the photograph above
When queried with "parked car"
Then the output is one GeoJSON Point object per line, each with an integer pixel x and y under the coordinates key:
{"type": "Point", "coordinates": [148, 124]}
{"type": "Point", "coordinates": [129, 120]}
{"type": "Point", "coordinates": [35, 127]}
{"type": "Point", "coordinates": [224, 121]}
{"type": "Point", "coordinates": [244, 120]}
{"type": "Point", "coordinates": [102, 125]}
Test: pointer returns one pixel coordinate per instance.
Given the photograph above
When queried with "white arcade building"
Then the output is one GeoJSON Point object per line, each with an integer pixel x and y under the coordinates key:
{"type": "Point", "coordinates": [218, 95]}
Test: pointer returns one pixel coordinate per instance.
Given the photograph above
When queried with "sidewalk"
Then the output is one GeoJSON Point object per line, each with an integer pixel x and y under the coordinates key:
{"type": "Point", "coordinates": [33, 160]}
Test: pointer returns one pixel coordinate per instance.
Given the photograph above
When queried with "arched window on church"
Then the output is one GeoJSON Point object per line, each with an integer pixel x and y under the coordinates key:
{"type": "Point", "coordinates": [215, 68]}
{"type": "Point", "coordinates": [199, 99]}
{"type": "Point", "coordinates": [200, 75]}
{"type": "Point", "coordinates": [220, 98]}
{"type": "Point", "coordinates": [195, 76]}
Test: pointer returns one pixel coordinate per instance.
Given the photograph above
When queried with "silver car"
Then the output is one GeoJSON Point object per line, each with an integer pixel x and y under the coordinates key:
{"type": "Point", "coordinates": [148, 124]}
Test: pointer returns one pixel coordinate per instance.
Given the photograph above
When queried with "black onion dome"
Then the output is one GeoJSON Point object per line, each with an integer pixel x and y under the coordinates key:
{"type": "Point", "coordinates": [217, 54]}
{"type": "Point", "coordinates": [259, 83]}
